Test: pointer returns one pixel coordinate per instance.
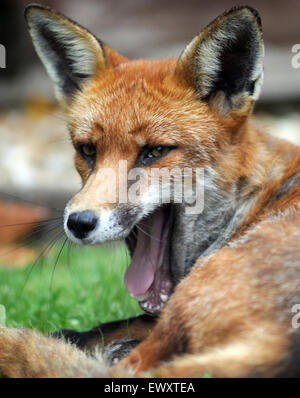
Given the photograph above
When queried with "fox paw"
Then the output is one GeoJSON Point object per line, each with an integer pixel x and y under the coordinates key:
{"type": "Point", "coordinates": [118, 349]}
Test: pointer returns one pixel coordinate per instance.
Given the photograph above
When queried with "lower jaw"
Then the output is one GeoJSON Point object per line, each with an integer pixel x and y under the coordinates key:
{"type": "Point", "coordinates": [156, 299]}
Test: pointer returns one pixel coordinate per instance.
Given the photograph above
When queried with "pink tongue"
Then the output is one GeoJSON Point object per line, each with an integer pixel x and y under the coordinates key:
{"type": "Point", "coordinates": [140, 274]}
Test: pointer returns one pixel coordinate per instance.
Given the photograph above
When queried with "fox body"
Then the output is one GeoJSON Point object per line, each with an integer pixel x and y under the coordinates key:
{"type": "Point", "coordinates": [218, 286]}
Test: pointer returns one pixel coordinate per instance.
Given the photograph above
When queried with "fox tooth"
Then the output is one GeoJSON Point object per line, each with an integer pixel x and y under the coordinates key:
{"type": "Point", "coordinates": [163, 297]}
{"type": "Point", "coordinates": [140, 298]}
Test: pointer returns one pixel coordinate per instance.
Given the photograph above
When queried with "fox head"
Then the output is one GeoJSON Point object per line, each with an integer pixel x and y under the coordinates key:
{"type": "Point", "coordinates": [186, 113]}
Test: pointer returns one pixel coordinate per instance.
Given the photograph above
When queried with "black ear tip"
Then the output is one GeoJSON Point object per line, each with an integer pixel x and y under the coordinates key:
{"type": "Point", "coordinates": [255, 13]}
{"type": "Point", "coordinates": [31, 8]}
{"type": "Point", "coordinates": [248, 9]}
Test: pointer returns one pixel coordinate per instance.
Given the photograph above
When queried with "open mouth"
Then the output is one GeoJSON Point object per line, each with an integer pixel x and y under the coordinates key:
{"type": "Point", "coordinates": [148, 277]}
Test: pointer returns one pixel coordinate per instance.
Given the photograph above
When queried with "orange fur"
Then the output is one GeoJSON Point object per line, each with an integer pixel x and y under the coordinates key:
{"type": "Point", "coordinates": [231, 315]}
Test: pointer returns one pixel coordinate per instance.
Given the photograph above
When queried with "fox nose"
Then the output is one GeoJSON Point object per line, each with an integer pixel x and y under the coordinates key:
{"type": "Point", "coordinates": [81, 223]}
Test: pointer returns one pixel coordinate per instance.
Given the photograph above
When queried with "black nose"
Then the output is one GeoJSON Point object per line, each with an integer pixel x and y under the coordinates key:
{"type": "Point", "coordinates": [81, 223]}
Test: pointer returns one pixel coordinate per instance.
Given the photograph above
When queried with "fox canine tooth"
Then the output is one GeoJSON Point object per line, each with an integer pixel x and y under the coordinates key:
{"type": "Point", "coordinates": [163, 297]}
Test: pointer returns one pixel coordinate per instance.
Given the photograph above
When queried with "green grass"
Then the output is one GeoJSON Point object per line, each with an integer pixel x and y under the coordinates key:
{"type": "Point", "coordinates": [84, 289]}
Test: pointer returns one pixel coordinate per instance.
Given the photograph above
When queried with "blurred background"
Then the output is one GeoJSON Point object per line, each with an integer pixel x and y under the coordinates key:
{"type": "Point", "coordinates": [36, 158]}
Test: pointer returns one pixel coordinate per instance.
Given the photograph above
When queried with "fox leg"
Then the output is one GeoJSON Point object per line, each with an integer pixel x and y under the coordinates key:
{"type": "Point", "coordinates": [250, 357]}
{"type": "Point", "coordinates": [118, 337]}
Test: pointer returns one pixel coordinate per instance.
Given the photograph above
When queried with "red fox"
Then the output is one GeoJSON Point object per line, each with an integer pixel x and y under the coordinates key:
{"type": "Point", "coordinates": [219, 286]}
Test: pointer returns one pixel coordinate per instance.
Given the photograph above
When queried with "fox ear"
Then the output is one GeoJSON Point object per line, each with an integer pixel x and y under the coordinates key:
{"type": "Point", "coordinates": [224, 63]}
{"type": "Point", "coordinates": [70, 54]}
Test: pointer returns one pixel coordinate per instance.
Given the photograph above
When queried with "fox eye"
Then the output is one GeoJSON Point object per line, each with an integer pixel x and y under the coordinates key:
{"type": "Point", "coordinates": [87, 152]}
{"type": "Point", "coordinates": [149, 155]}
{"type": "Point", "coordinates": [158, 151]}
